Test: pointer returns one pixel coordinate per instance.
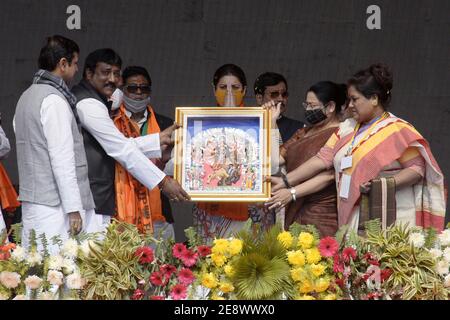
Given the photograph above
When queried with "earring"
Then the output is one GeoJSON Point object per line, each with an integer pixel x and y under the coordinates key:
{"type": "Point", "coordinates": [375, 103]}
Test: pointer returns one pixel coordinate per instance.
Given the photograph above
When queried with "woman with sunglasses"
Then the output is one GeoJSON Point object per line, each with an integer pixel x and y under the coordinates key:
{"type": "Point", "coordinates": [322, 107]}
{"type": "Point", "coordinates": [218, 220]}
{"type": "Point", "coordinates": [377, 150]}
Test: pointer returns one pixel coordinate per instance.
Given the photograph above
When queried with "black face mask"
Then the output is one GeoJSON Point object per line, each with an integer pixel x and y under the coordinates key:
{"type": "Point", "coordinates": [315, 116]}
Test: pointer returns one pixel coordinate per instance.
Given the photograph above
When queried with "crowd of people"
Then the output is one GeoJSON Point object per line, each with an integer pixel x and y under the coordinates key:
{"type": "Point", "coordinates": [99, 150]}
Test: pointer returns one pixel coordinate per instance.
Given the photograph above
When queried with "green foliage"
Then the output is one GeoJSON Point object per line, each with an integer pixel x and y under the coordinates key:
{"type": "Point", "coordinates": [193, 238]}
{"type": "Point", "coordinates": [112, 267]}
{"type": "Point", "coordinates": [373, 226]}
{"type": "Point", "coordinates": [296, 229]}
{"type": "Point", "coordinates": [17, 233]}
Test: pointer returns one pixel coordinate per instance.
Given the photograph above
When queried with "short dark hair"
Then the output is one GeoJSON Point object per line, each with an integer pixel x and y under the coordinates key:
{"type": "Point", "coordinates": [106, 55]}
{"type": "Point", "coordinates": [56, 48]}
{"type": "Point", "coordinates": [266, 80]}
{"type": "Point", "coordinates": [327, 91]}
{"type": "Point", "coordinates": [229, 69]}
{"type": "Point", "coordinates": [131, 71]}
{"type": "Point", "coordinates": [374, 80]}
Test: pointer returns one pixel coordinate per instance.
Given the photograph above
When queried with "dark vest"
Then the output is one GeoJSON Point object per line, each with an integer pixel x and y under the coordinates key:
{"type": "Point", "coordinates": [288, 127]}
{"type": "Point", "coordinates": [101, 167]}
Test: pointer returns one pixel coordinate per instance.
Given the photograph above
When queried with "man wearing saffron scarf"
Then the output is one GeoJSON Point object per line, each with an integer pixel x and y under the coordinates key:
{"type": "Point", "coordinates": [53, 176]}
{"type": "Point", "coordinates": [148, 209]}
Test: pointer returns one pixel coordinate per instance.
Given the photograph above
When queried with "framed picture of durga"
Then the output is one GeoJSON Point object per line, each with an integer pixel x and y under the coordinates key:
{"type": "Point", "coordinates": [223, 154]}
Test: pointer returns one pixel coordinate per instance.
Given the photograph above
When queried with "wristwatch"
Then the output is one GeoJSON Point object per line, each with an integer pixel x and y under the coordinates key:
{"type": "Point", "coordinates": [293, 194]}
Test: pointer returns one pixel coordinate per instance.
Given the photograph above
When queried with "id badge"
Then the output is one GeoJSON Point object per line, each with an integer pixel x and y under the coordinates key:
{"type": "Point", "coordinates": [345, 186]}
{"type": "Point", "coordinates": [346, 162]}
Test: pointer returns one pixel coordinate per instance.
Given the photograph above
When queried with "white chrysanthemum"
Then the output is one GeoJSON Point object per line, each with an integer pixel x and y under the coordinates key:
{"type": "Point", "coordinates": [442, 267]}
{"type": "Point", "coordinates": [444, 238]}
{"type": "Point", "coordinates": [55, 277]}
{"type": "Point", "coordinates": [34, 258]}
{"type": "Point", "coordinates": [447, 281]}
{"type": "Point", "coordinates": [435, 253]}
{"type": "Point", "coordinates": [417, 239]}
{"type": "Point", "coordinates": [74, 281]}
{"type": "Point", "coordinates": [33, 282]}
{"type": "Point", "coordinates": [46, 295]}
{"type": "Point", "coordinates": [18, 254]}
{"type": "Point", "coordinates": [68, 266]}
{"type": "Point", "coordinates": [9, 279]}
{"type": "Point", "coordinates": [446, 254]}
{"type": "Point", "coordinates": [70, 248]}
{"type": "Point", "coordinates": [55, 262]}
{"type": "Point", "coordinates": [20, 297]}
{"type": "Point", "coordinates": [86, 246]}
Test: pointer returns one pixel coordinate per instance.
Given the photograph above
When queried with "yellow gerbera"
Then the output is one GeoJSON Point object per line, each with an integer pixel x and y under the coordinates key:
{"type": "Point", "coordinates": [321, 285]}
{"type": "Point", "coordinates": [296, 258]}
{"type": "Point", "coordinates": [330, 296]}
{"type": "Point", "coordinates": [306, 297]}
{"type": "Point", "coordinates": [286, 239]}
{"type": "Point", "coordinates": [305, 286]}
{"type": "Point", "coordinates": [317, 269]}
{"type": "Point", "coordinates": [313, 255]}
{"type": "Point", "coordinates": [226, 287]}
{"type": "Point", "coordinates": [216, 297]}
{"type": "Point", "coordinates": [209, 280]}
{"type": "Point", "coordinates": [229, 270]}
{"type": "Point", "coordinates": [218, 259]}
{"type": "Point", "coordinates": [305, 240]}
{"type": "Point", "coordinates": [220, 246]}
{"type": "Point", "coordinates": [235, 247]}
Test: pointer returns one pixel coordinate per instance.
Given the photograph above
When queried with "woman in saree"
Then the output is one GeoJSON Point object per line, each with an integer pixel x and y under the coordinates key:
{"type": "Point", "coordinates": [222, 219]}
{"type": "Point", "coordinates": [322, 109]}
{"type": "Point", "coordinates": [376, 144]}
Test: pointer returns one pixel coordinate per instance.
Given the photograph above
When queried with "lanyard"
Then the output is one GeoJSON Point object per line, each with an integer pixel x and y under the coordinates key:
{"type": "Point", "coordinates": [352, 142]}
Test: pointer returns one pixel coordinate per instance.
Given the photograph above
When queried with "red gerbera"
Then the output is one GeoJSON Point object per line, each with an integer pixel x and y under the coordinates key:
{"type": "Point", "coordinates": [339, 282]}
{"type": "Point", "coordinates": [189, 258]}
{"type": "Point", "coordinates": [157, 298]}
{"type": "Point", "coordinates": [186, 276]}
{"type": "Point", "coordinates": [145, 255]}
{"type": "Point", "coordinates": [348, 253]}
{"type": "Point", "coordinates": [138, 294]}
{"type": "Point", "coordinates": [179, 292]}
{"type": "Point", "coordinates": [178, 250]}
{"type": "Point", "coordinates": [371, 259]}
{"type": "Point", "coordinates": [338, 266]}
{"type": "Point", "coordinates": [204, 250]}
{"type": "Point", "coordinates": [158, 279]}
{"type": "Point", "coordinates": [385, 274]}
{"type": "Point", "coordinates": [167, 270]}
{"type": "Point", "coordinates": [328, 247]}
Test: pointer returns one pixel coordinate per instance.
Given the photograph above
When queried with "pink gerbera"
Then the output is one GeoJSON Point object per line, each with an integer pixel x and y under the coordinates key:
{"type": "Point", "coordinates": [338, 267]}
{"type": "Point", "coordinates": [204, 251]}
{"type": "Point", "coordinates": [178, 250]}
{"type": "Point", "coordinates": [157, 298]}
{"type": "Point", "coordinates": [145, 255]}
{"type": "Point", "coordinates": [189, 258]}
{"type": "Point", "coordinates": [186, 276]}
{"type": "Point", "coordinates": [348, 253]}
{"type": "Point", "coordinates": [328, 247]}
{"type": "Point", "coordinates": [167, 270]}
{"type": "Point", "coordinates": [179, 292]}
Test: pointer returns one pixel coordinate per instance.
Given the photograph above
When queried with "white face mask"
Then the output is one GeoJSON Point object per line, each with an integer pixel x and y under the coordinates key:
{"type": "Point", "coordinates": [135, 106]}
{"type": "Point", "coordinates": [117, 98]}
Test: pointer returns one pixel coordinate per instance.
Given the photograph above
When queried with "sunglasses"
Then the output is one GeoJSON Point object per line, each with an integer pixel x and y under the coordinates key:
{"type": "Point", "coordinates": [276, 94]}
{"type": "Point", "coordinates": [133, 88]}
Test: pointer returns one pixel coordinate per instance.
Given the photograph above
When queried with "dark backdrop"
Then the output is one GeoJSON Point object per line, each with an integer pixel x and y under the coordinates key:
{"type": "Point", "coordinates": [183, 42]}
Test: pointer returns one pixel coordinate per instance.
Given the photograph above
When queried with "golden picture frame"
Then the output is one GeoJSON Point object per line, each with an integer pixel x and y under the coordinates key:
{"type": "Point", "coordinates": [223, 154]}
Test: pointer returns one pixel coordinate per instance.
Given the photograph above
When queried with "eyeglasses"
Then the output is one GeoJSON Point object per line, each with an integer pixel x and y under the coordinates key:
{"type": "Point", "coordinates": [307, 105]}
{"type": "Point", "coordinates": [276, 94]}
{"type": "Point", "coordinates": [133, 88]}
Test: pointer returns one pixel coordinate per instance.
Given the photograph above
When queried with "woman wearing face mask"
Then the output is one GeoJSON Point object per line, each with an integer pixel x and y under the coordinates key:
{"type": "Point", "coordinates": [377, 150]}
{"type": "Point", "coordinates": [322, 108]}
{"type": "Point", "coordinates": [218, 220]}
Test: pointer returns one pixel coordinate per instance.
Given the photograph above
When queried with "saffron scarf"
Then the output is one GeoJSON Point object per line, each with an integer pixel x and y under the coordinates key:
{"type": "Point", "coordinates": [387, 142]}
{"type": "Point", "coordinates": [135, 203]}
{"type": "Point", "coordinates": [8, 195]}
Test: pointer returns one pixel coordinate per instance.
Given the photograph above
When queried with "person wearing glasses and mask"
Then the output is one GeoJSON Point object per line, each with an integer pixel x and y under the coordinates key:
{"type": "Point", "coordinates": [322, 107]}
{"type": "Point", "coordinates": [148, 209]}
{"type": "Point", "coordinates": [271, 86]}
